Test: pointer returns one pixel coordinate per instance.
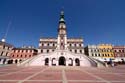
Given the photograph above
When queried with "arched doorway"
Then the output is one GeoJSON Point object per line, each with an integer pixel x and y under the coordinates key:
{"type": "Point", "coordinates": [71, 62]}
{"type": "Point", "coordinates": [62, 61]}
{"type": "Point", "coordinates": [53, 61]}
{"type": "Point", "coordinates": [20, 60]}
{"type": "Point", "coordinates": [16, 61]}
{"type": "Point", "coordinates": [47, 61]}
{"type": "Point", "coordinates": [4, 61]}
{"type": "Point", "coordinates": [77, 62]}
{"type": "Point", "coordinates": [10, 61]}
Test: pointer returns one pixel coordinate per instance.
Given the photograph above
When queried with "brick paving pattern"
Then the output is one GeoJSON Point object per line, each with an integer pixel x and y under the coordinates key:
{"type": "Point", "coordinates": [44, 74]}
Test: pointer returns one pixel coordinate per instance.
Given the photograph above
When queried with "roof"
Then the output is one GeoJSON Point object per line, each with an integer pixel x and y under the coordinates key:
{"type": "Point", "coordinates": [48, 38]}
{"type": "Point", "coordinates": [6, 44]}
{"type": "Point", "coordinates": [24, 49]}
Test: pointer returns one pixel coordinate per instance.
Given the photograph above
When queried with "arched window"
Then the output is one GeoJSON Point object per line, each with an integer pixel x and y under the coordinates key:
{"type": "Point", "coordinates": [48, 44]}
{"type": "Point", "coordinates": [75, 51]}
{"type": "Point", "coordinates": [91, 50]}
{"type": "Point", "coordinates": [6, 53]}
{"type": "Point", "coordinates": [115, 50]}
{"type": "Point", "coordinates": [95, 50]}
{"type": "Point", "coordinates": [20, 60]}
{"type": "Point", "coordinates": [105, 55]}
{"type": "Point", "coordinates": [29, 55]}
{"type": "Point", "coordinates": [92, 54]}
{"type": "Point", "coordinates": [95, 55]}
{"type": "Point", "coordinates": [70, 50]}
{"type": "Point", "coordinates": [16, 61]}
{"type": "Point", "coordinates": [80, 51]}
{"type": "Point", "coordinates": [80, 45]}
{"type": "Point", "coordinates": [47, 51]}
{"type": "Point", "coordinates": [99, 55]}
{"type": "Point", "coordinates": [98, 50]}
{"type": "Point", "coordinates": [53, 44]}
{"type": "Point", "coordinates": [41, 51]}
{"type": "Point", "coordinates": [25, 55]}
{"type": "Point", "coordinates": [75, 45]}
{"type": "Point", "coordinates": [42, 44]}
{"type": "Point", "coordinates": [2, 53]}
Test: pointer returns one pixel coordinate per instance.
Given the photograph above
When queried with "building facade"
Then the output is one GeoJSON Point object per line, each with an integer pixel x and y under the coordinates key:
{"type": "Point", "coordinates": [18, 55]}
{"type": "Point", "coordinates": [5, 50]}
{"type": "Point", "coordinates": [119, 53]}
{"type": "Point", "coordinates": [48, 45]}
{"type": "Point", "coordinates": [93, 51]}
{"type": "Point", "coordinates": [102, 52]}
{"type": "Point", "coordinates": [62, 50]}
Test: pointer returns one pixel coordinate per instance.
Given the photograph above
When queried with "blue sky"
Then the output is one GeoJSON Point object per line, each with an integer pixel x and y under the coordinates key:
{"type": "Point", "coordinates": [97, 21]}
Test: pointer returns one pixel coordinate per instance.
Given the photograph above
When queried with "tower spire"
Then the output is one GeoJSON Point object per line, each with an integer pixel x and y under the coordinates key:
{"type": "Point", "coordinates": [62, 37]}
{"type": "Point", "coordinates": [62, 17]}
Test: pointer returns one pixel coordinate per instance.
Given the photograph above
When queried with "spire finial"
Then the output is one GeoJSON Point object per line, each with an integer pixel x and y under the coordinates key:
{"type": "Point", "coordinates": [62, 16]}
{"type": "Point", "coordinates": [62, 10]}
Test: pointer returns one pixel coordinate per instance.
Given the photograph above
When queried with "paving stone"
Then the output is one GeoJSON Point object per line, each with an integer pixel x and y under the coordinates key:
{"type": "Point", "coordinates": [47, 76]}
{"type": "Point", "coordinates": [79, 76]}
{"type": "Point", "coordinates": [15, 76]}
{"type": "Point", "coordinates": [111, 77]}
{"type": "Point", "coordinates": [12, 74]}
{"type": "Point", "coordinates": [7, 82]}
{"type": "Point", "coordinates": [86, 82]}
{"type": "Point", "coordinates": [39, 82]}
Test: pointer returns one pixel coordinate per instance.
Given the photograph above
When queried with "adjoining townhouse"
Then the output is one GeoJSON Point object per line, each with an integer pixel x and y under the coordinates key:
{"type": "Point", "coordinates": [102, 52]}
{"type": "Point", "coordinates": [119, 53]}
{"type": "Point", "coordinates": [93, 51]}
{"type": "Point", "coordinates": [19, 54]}
{"type": "Point", "coordinates": [5, 49]}
{"type": "Point", "coordinates": [106, 51]}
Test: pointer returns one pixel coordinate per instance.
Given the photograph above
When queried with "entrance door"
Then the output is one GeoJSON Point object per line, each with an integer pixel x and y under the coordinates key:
{"type": "Point", "coordinates": [77, 62]}
{"type": "Point", "coordinates": [47, 61]}
{"type": "Point", "coordinates": [62, 61]}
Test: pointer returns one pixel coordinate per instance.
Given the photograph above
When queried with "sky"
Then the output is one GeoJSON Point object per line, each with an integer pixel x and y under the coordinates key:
{"type": "Point", "coordinates": [24, 22]}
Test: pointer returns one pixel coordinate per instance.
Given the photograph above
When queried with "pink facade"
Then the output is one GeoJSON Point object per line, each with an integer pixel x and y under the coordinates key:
{"type": "Point", "coordinates": [119, 53]}
{"type": "Point", "coordinates": [18, 55]}
{"type": "Point", "coordinates": [23, 53]}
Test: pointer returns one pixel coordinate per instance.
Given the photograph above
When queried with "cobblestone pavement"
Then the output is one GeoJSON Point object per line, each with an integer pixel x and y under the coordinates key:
{"type": "Point", "coordinates": [61, 74]}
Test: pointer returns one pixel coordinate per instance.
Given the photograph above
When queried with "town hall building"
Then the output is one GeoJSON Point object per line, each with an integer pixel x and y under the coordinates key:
{"type": "Point", "coordinates": [60, 51]}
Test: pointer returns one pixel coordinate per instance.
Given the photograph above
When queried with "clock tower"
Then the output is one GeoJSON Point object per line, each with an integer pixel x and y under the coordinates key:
{"type": "Point", "coordinates": [62, 36]}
